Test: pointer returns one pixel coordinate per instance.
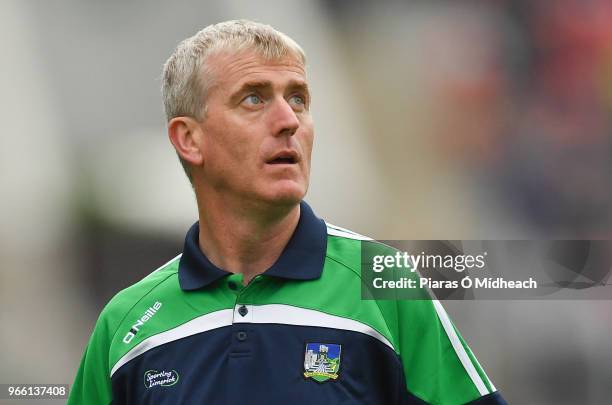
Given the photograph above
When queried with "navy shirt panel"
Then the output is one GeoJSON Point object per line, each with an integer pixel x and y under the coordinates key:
{"type": "Point", "coordinates": [262, 364]}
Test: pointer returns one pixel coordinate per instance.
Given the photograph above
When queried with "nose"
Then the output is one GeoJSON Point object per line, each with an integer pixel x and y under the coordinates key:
{"type": "Point", "coordinates": [283, 119]}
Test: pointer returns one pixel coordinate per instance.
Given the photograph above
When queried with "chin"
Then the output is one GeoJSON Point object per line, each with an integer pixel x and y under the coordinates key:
{"type": "Point", "coordinates": [285, 194]}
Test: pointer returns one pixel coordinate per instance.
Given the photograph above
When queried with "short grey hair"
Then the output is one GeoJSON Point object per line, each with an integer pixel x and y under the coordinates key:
{"type": "Point", "coordinates": [186, 77]}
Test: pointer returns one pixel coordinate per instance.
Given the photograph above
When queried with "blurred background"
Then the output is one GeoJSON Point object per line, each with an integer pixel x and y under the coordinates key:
{"type": "Point", "coordinates": [434, 120]}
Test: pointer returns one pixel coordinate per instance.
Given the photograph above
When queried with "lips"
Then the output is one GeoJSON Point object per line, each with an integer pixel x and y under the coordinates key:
{"type": "Point", "coordinates": [286, 157]}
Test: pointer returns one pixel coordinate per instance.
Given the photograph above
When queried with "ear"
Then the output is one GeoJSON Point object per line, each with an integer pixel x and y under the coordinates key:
{"type": "Point", "coordinates": [185, 135]}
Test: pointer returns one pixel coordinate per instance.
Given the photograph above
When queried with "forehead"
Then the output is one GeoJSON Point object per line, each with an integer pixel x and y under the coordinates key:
{"type": "Point", "coordinates": [230, 70]}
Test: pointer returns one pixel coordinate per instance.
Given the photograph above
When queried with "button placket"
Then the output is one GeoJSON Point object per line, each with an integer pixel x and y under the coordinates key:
{"type": "Point", "coordinates": [243, 313]}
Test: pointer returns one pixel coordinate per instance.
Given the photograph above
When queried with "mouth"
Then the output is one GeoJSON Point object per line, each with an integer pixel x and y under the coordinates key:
{"type": "Point", "coordinates": [288, 157]}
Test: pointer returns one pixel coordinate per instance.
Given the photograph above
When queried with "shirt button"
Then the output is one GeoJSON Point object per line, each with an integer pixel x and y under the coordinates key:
{"type": "Point", "coordinates": [241, 336]}
{"type": "Point", "coordinates": [243, 310]}
{"type": "Point", "coordinates": [232, 285]}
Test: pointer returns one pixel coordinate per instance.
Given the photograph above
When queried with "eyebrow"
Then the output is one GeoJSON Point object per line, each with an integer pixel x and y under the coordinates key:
{"type": "Point", "coordinates": [259, 85]}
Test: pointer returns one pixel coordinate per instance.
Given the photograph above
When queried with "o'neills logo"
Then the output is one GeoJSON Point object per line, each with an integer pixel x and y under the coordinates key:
{"type": "Point", "coordinates": [149, 313]}
{"type": "Point", "coordinates": [154, 378]}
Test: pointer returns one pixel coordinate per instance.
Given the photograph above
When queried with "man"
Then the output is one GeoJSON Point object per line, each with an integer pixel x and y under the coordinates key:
{"type": "Point", "coordinates": [263, 306]}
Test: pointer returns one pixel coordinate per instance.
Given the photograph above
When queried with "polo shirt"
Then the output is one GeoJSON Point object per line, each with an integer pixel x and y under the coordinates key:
{"type": "Point", "coordinates": [299, 333]}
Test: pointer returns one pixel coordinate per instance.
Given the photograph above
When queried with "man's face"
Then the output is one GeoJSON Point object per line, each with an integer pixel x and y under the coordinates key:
{"type": "Point", "coordinates": [257, 131]}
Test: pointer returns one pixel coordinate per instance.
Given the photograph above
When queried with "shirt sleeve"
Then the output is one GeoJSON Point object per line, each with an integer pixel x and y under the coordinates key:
{"type": "Point", "coordinates": [439, 367]}
{"type": "Point", "coordinates": [92, 384]}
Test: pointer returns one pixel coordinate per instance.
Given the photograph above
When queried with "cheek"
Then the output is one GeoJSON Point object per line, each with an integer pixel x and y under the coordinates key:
{"type": "Point", "coordinates": [228, 145]}
{"type": "Point", "coordinates": [307, 142]}
{"type": "Point", "coordinates": [233, 159]}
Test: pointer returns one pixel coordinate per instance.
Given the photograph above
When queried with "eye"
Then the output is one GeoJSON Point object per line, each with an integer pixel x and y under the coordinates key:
{"type": "Point", "coordinates": [252, 99]}
{"type": "Point", "coordinates": [298, 101]}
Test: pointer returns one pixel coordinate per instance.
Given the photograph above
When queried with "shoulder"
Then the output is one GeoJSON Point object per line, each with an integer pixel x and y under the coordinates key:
{"type": "Point", "coordinates": [102, 347]}
{"type": "Point", "coordinates": [345, 272]}
{"type": "Point", "coordinates": [348, 248]}
{"type": "Point", "coordinates": [349, 262]}
{"type": "Point", "coordinates": [343, 233]}
{"type": "Point", "coordinates": [159, 282]}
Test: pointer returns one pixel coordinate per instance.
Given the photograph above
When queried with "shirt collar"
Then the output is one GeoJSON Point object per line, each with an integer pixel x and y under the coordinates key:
{"type": "Point", "coordinates": [302, 258]}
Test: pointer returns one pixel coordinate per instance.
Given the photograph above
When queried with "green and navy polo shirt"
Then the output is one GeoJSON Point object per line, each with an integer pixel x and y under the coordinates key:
{"type": "Point", "coordinates": [299, 333]}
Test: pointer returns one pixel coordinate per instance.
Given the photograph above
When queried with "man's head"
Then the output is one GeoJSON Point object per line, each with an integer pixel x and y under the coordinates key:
{"type": "Point", "coordinates": [237, 105]}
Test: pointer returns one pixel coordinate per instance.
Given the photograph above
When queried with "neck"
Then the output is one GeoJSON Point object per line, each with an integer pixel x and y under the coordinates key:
{"type": "Point", "coordinates": [244, 239]}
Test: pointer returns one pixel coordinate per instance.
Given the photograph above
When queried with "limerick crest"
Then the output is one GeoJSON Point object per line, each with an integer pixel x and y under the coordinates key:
{"type": "Point", "coordinates": [322, 361]}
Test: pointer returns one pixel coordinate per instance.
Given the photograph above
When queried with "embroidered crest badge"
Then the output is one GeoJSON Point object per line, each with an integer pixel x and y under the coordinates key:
{"type": "Point", "coordinates": [322, 361]}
